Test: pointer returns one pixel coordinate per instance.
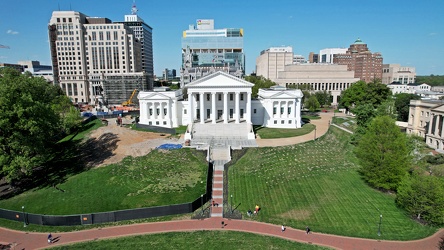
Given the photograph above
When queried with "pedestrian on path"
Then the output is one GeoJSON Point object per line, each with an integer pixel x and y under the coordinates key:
{"type": "Point", "coordinates": [283, 228]}
{"type": "Point", "coordinates": [307, 230]}
{"type": "Point", "coordinates": [49, 238]}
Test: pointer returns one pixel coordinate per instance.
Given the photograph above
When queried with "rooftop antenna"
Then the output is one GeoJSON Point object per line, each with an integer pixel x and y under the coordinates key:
{"type": "Point", "coordinates": [134, 9]}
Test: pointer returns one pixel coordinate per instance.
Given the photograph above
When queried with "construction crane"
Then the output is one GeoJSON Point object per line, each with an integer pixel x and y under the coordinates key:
{"type": "Point", "coordinates": [4, 46]}
{"type": "Point", "coordinates": [130, 100]}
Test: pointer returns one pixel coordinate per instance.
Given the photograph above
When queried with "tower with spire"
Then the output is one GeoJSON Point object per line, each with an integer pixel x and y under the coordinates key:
{"type": "Point", "coordinates": [144, 33]}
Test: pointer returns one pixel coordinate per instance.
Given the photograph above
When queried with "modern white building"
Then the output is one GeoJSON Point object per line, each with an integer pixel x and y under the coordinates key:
{"type": "Point", "coordinates": [221, 98]}
{"type": "Point", "coordinates": [395, 73]}
{"type": "Point", "coordinates": [326, 55]}
{"type": "Point", "coordinates": [413, 88]}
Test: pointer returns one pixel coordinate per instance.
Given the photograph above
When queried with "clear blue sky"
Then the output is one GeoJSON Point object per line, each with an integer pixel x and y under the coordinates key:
{"type": "Point", "coordinates": [410, 33]}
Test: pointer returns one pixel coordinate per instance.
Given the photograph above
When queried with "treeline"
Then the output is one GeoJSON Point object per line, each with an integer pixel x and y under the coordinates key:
{"type": "Point", "coordinates": [391, 160]}
{"type": "Point", "coordinates": [432, 80]}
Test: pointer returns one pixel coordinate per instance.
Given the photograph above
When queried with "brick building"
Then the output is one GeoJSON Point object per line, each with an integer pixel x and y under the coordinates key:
{"type": "Point", "coordinates": [358, 58]}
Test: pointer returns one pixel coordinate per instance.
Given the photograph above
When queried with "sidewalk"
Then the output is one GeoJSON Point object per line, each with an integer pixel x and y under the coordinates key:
{"type": "Point", "coordinates": [322, 126]}
{"type": "Point", "coordinates": [24, 240]}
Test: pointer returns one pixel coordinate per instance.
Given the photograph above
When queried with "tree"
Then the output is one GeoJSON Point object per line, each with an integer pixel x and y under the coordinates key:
{"type": "Point", "coordinates": [259, 82]}
{"type": "Point", "coordinates": [402, 102]}
{"type": "Point", "coordinates": [312, 103]}
{"type": "Point", "coordinates": [422, 196]}
{"type": "Point", "coordinates": [383, 154]}
{"type": "Point", "coordinates": [323, 98]}
{"type": "Point", "coordinates": [31, 122]}
{"type": "Point", "coordinates": [362, 93]}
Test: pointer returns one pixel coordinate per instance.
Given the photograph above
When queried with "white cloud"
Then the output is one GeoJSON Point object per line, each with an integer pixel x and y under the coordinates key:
{"type": "Point", "coordinates": [12, 32]}
{"type": "Point", "coordinates": [433, 34]}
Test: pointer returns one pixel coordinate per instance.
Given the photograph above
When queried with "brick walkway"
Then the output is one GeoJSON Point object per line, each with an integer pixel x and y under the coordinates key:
{"type": "Point", "coordinates": [23, 240]}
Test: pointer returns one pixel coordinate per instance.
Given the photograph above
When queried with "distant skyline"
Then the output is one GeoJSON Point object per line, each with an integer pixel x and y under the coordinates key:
{"type": "Point", "coordinates": [409, 33]}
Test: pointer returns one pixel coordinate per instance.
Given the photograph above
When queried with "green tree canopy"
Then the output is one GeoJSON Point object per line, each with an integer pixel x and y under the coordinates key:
{"type": "Point", "coordinates": [383, 153]}
{"type": "Point", "coordinates": [324, 98]}
{"type": "Point", "coordinates": [422, 196]}
{"type": "Point", "coordinates": [259, 82]}
{"type": "Point", "coordinates": [402, 102]}
{"type": "Point", "coordinates": [312, 103]}
{"type": "Point", "coordinates": [32, 119]}
{"type": "Point", "coordinates": [362, 93]}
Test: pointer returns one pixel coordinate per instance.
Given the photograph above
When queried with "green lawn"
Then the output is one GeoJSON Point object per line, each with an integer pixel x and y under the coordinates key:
{"type": "Point", "coordinates": [160, 178]}
{"type": "Point", "coordinates": [195, 240]}
{"type": "Point", "coordinates": [316, 184]}
{"type": "Point", "coordinates": [273, 133]}
{"type": "Point", "coordinates": [84, 130]}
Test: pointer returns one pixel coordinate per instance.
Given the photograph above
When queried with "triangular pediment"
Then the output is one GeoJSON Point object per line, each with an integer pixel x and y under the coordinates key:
{"type": "Point", "coordinates": [283, 95]}
{"type": "Point", "coordinates": [219, 79]}
{"type": "Point", "coordinates": [154, 96]}
{"type": "Point", "coordinates": [439, 109]}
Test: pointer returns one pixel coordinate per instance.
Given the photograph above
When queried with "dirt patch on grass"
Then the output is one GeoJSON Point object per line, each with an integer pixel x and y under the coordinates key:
{"type": "Point", "coordinates": [129, 142]}
{"type": "Point", "coordinates": [296, 214]}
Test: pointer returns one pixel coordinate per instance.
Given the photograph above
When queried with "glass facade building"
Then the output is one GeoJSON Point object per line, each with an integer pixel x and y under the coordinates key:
{"type": "Point", "coordinates": [205, 48]}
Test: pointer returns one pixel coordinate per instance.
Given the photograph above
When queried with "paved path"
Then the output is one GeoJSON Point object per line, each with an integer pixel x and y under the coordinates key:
{"type": "Point", "coordinates": [321, 128]}
{"type": "Point", "coordinates": [38, 240]}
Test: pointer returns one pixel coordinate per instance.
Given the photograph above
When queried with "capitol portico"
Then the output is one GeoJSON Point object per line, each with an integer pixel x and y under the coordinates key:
{"type": "Point", "coordinates": [220, 101]}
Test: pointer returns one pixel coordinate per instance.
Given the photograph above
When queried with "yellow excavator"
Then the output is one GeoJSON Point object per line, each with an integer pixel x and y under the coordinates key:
{"type": "Point", "coordinates": [130, 100]}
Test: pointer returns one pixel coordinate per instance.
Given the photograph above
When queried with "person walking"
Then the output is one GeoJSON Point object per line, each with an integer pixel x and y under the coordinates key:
{"type": "Point", "coordinates": [49, 238]}
{"type": "Point", "coordinates": [307, 230]}
{"type": "Point", "coordinates": [283, 228]}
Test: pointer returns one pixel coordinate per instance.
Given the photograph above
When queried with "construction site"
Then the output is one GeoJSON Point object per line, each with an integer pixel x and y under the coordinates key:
{"type": "Point", "coordinates": [118, 90]}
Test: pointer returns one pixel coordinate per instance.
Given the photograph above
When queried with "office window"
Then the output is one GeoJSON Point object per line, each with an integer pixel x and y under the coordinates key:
{"type": "Point", "coordinates": [219, 97]}
{"type": "Point", "coordinates": [231, 97]}
{"type": "Point", "coordinates": [254, 111]}
{"type": "Point", "coordinates": [208, 97]}
{"type": "Point", "coordinates": [241, 97]}
{"type": "Point", "coordinates": [274, 110]}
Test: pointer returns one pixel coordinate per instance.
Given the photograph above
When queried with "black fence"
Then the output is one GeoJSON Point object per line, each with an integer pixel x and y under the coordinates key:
{"type": "Point", "coordinates": [113, 216]}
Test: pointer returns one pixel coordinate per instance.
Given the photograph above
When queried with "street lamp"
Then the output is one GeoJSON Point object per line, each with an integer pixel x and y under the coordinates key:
{"type": "Point", "coordinates": [231, 203]}
{"type": "Point", "coordinates": [315, 134]}
{"type": "Point", "coordinates": [201, 202]}
{"type": "Point", "coordinates": [380, 221]}
{"type": "Point", "coordinates": [23, 212]}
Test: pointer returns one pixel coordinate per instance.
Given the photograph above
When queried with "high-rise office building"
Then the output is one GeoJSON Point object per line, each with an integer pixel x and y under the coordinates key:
{"type": "Point", "coordinates": [206, 50]}
{"type": "Point", "coordinates": [144, 33]}
{"type": "Point", "coordinates": [358, 58]}
{"type": "Point", "coordinates": [85, 50]}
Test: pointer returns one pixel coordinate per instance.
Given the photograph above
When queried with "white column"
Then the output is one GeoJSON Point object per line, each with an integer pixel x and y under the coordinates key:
{"type": "Point", "coordinates": [201, 101]}
{"type": "Point", "coordinates": [430, 123]}
{"type": "Point", "coordinates": [190, 107]}
{"type": "Point", "coordinates": [213, 107]}
{"type": "Point", "coordinates": [436, 126]}
{"type": "Point", "coordinates": [248, 108]}
{"type": "Point", "coordinates": [237, 108]}
{"type": "Point", "coordinates": [225, 111]}
{"type": "Point", "coordinates": [168, 115]}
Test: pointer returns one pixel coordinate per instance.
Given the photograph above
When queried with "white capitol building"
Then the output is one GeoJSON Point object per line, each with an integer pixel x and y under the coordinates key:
{"type": "Point", "coordinates": [219, 102]}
